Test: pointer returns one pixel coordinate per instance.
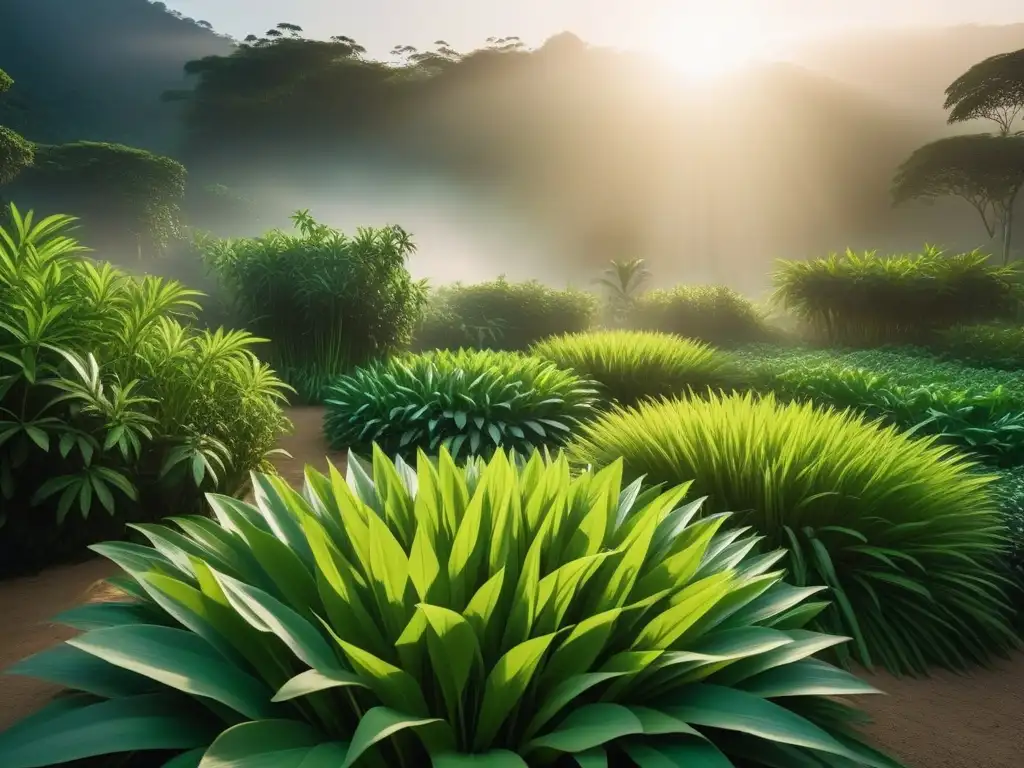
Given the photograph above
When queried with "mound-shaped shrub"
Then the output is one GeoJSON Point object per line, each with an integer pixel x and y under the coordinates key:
{"type": "Point", "coordinates": [502, 315]}
{"type": "Point", "coordinates": [712, 314]}
{"type": "Point", "coordinates": [497, 615]}
{"type": "Point", "coordinates": [112, 409]}
{"type": "Point", "coordinates": [905, 533]}
{"type": "Point", "coordinates": [469, 402]}
{"type": "Point", "coordinates": [634, 365]}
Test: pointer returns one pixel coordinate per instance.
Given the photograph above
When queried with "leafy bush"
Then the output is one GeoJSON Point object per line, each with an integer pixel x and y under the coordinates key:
{"type": "Point", "coordinates": [470, 401]}
{"type": "Point", "coordinates": [712, 314]}
{"type": "Point", "coordinates": [631, 366]}
{"type": "Point", "coordinates": [328, 302]}
{"type": "Point", "coordinates": [492, 615]}
{"type": "Point", "coordinates": [989, 346]}
{"type": "Point", "coordinates": [502, 315]}
{"type": "Point", "coordinates": [987, 423]}
{"type": "Point", "coordinates": [870, 300]}
{"type": "Point", "coordinates": [108, 401]}
{"type": "Point", "coordinates": [904, 533]}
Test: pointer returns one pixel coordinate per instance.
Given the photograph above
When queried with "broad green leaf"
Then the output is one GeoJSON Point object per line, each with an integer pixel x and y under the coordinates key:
{"type": "Point", "coordinates": [274, 744]}
{"type": "Point", "coordinates": [313, 680]}
{"type": "Point", "coordinates": [380, 723]}
{"type": "Point", "coordinates": [267, 614]}
{"type": "Point", "coordinates": [108, 614]}
{"type": "Point", "coordinates": [588, 727]}
{"type": "Point", "coordinates": [190, 759]}
{"type": "Point", "coordinates": [807, 677]}
{"type": "Point", "coordinates": [180, 660]}
{"type": "Point", "coordinates": [693, 602]}
{"type": "Point", "coordinates": [73, 668]}
{"type": "Point", "coordinates": [388, 574]}
{"type": "Point", "coordinates": [592, 758]}
{"type": "Point", "coordinates": [581, 648]}
{"type": "Point", "coordinates": [716, 707]}
{"type": "Point", "coordinates": [75, 729]}
{"type": "Point", "coordinates": [454, 651]}
{"type": "Point", "coordinates": [394, 687]}
{"type": "Point", "coordinates": [505, 686]}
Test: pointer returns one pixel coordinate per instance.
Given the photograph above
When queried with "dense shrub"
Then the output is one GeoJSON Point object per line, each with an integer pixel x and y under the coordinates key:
{"type": "Point", "coordinates": [326, 301]}
{"type": "Point", "coordinates": [870, 300]}
{"type": "Point", "coordinates": [491, 615]}
{"type": "Point", "coordinates": [904, 533]}
{"type": "Point", "coordinates": [631, 366]}
{"type": "Point", "coordinates": [713, 314]}
{"type": "Point", "coordinates": [988, 423]}
{"type": "Point", "coordinates": [984, 345]}
{"type": "Point", "coordinates": [502, 315]}
{"type": "Point", "coordinates": [469, 401]}
{"type": "Point", "coordinates": [111, 410]}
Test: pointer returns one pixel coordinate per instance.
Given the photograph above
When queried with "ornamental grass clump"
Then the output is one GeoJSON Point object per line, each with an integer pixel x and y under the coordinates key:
{"type": "Point", "coordinates": [631, 366]}
{"type": "Point", "coordinates": [501, 614]}
{"type": "Point", "coordinates": [470, 402]}
{"type": "Point", "coordinates": [905, 533]}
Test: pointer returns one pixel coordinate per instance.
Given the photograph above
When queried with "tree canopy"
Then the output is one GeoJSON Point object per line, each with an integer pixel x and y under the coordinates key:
{"type": "Point", "coordinates": [992, 89]}
{"type": "Point", "coordinates": [984, 169]}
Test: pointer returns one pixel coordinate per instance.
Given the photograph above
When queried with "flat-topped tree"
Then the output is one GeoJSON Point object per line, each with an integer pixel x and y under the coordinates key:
{"type": "Point", "coordinates": [984, 169]}
{"type": "Point", "coordinates": [992, 89]}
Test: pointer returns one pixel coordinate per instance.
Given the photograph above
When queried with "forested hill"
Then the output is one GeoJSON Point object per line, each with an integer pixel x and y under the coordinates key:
{"type": "Point", "coordinates": [601, 151]}
{"type": "Point", "coordinates": [94, 69]}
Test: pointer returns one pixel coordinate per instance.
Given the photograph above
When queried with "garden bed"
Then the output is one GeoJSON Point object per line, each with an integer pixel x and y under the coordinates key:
{"type": "Point", "coordinates": [944, 721]}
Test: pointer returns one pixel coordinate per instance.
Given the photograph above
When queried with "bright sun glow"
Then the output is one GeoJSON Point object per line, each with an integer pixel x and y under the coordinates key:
{"type": "Point", "coordinates": [705, 48]}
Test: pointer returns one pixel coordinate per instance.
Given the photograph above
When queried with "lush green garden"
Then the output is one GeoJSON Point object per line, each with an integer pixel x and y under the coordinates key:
{"type": "Point", "coordinates": [608, 528]}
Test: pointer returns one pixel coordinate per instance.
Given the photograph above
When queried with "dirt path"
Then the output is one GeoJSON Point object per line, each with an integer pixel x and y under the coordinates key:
{"type": "Point", "coordinates": [946, 721]}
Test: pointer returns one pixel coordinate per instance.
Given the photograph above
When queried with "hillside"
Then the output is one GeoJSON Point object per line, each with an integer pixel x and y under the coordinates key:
{"type": "Point", "coordinates": [95, 70]}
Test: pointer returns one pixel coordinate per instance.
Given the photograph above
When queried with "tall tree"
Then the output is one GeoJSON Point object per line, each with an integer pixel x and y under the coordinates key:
{"type": "Point", "coordinates": [984, 169]}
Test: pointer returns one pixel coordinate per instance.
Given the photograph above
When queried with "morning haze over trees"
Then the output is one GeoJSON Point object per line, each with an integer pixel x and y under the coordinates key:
{"type": "Point", "coordinates": [783, 161]}
{"type": "Point", "coordinates": [593, 498]}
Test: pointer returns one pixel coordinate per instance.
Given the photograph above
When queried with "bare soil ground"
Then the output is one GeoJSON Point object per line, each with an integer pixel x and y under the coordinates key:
{"type": "Point", "coordinates": [944, 721]}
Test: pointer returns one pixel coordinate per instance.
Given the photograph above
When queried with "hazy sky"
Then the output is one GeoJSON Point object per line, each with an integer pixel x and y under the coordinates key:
{"type": "Point", "coordinates": [662, 26]}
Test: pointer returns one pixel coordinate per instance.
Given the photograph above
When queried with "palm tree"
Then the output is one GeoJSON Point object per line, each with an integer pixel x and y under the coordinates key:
{"type": "Point", "coordinates": [623, 281]}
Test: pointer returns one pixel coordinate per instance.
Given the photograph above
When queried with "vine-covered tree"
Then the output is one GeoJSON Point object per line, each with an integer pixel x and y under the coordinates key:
{"type": "Point", "coordinates": [992, 89]}
{"type": "Point", "coordinates": [16, 153]}
{"type": "Point", "coordinates": [984, 169]}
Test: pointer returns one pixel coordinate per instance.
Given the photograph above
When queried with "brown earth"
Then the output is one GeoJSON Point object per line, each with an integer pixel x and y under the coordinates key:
{"type": "Point", "coordinates": [944, 721]}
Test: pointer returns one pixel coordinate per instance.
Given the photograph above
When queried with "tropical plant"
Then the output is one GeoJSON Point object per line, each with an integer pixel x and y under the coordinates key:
{"type": "Point", "coordinates": [327, 301]}
{"type": "Point", "coordinates": [502, 315]}
{"type": "Point", "coordinates": [631, 366]}
{"type": "Point", "coordinates": [622, 282]}
{"type": "Point", "coordinates": [108, 401]}
{"type": "Point", "coordinates": [712, 314]}
{"type": "Point", "coordinates": [469, 402]}
{"type": "Point", "coordinates": [502, 614]}
{"type": "Point", "coordinates": [870, 300]}
{"type": "Point", "coordinates": [904, 533]}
